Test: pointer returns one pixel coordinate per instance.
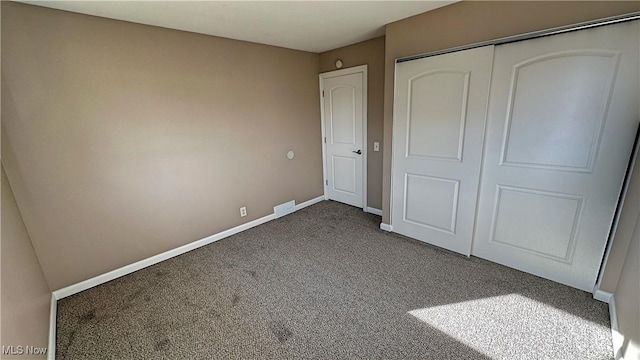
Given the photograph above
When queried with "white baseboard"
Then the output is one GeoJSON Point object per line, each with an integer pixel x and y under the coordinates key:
{"type": "Point", "coordinates": [603, 296]}
{"type": "Point", "coordinates": [128, 269]}
{"type": "Point", "coordinates": [53, 311]}
{"type": "Point", "coordinates": [374, 211]}
{"type": "Point", "coordinates": [386, 227]}
{"type": "Point", "coordinates": [616, 337]}
{"type": "Point", "coordinates": [309, 202]}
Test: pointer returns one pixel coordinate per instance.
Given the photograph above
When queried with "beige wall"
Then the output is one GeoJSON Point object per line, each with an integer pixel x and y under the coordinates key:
{"type": "Point", "coordinates": [371, 53]}
{"type": "Point", "coordinates": [469, 22]}
{"type": "Point", "coordinates": [622, 272]}
{"type": "Point", "coordinates": [124, 140]}
{"type": "Point", "coordinates": [624, 233]}
{"type": "Point", "coordinates": [627, 299]}
{"type": "Point", "coordinates": [25, 294]}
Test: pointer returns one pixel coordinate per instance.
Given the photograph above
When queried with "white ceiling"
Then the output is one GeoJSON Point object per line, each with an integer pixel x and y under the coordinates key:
{"type": "Point", "coordinates": [314, 26]}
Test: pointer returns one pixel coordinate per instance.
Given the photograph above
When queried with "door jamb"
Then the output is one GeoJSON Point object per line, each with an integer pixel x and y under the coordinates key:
{"type": "Point", "coordinates": [331, 74]}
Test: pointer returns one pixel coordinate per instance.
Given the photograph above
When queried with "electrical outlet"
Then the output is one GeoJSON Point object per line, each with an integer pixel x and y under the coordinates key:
{"type": "Point", "coordinates": [243, 211]}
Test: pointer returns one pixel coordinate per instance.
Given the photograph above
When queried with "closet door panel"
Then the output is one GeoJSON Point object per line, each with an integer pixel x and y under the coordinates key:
{"type": "Point", "coordinates": [439, 119]}
{"type": "Point", "coordinates": [563, 111]}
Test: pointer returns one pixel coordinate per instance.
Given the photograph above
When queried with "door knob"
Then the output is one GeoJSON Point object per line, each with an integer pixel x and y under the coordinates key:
{"type": "Point", "coordinates": [357, 152]}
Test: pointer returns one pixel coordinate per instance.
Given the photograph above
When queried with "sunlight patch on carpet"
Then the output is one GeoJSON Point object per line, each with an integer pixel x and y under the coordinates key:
{"type": "Point", "coordinates": [502, 327]}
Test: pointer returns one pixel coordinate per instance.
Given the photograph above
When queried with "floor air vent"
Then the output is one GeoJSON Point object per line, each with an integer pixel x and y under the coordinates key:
{"type": "Point", "coordinates": [284, 209]}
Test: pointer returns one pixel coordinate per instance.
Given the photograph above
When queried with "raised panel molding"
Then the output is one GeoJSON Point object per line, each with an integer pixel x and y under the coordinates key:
{"type": "Point", "coordinates": [557, 136]}
{"type": "Point", "coordinates": [343, 130]}
{"type": "Point", "coordinates": [345, 166]}
{"type": "Point", "coordinates": [431, 202]}
{"type": "Point", "coordinates": [546, 222]}
{"type": "Point", "coordinates": [441, 122]}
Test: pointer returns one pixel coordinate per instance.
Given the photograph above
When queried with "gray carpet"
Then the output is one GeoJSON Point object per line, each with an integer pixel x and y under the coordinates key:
{"type": "Point", "coordinates": [326, 283]}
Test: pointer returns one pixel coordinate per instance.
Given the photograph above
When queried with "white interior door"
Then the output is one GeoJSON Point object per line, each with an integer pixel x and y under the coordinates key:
{"type": "Point", "coordinates": [563, 112]}
{"type": "Point", "coordinates": [439, 119]}
{"type": "Point", "coordinates": [343, 113]}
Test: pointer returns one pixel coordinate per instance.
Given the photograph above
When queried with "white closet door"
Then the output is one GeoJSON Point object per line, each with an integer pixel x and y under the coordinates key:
{"type": "Point", "coordinates": [439, 119]}
{"type": "Point", "coordinates": [562, 118]}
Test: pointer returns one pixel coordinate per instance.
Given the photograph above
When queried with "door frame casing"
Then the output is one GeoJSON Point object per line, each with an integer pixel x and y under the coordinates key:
{"type": "Point", "coordinates": [336, 73]}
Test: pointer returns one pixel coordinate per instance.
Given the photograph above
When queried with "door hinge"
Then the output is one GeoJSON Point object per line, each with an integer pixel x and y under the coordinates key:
{"type": "Point", "coordinates": [325, 139]}
{"type": "Point", "coordinates": [326, 182]}
{"type": "Point", "coordinates": [322, 93]}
